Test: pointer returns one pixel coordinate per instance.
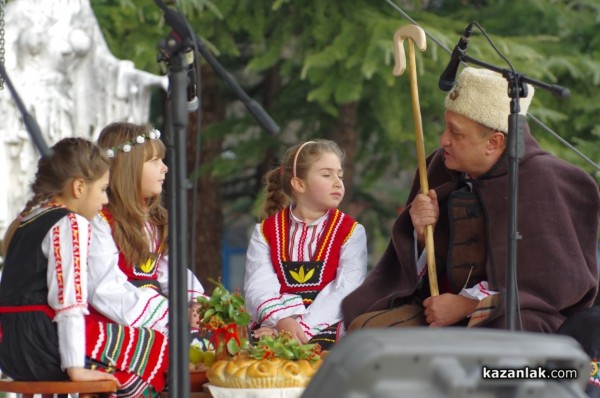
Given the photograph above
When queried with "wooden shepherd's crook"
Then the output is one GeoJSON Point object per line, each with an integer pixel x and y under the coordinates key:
{"type": "Point", "coordinates": [417, 35]}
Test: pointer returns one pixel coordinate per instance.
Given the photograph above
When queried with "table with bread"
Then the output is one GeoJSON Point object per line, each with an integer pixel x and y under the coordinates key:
{"type": "Point", "coordinates": [275, 365]}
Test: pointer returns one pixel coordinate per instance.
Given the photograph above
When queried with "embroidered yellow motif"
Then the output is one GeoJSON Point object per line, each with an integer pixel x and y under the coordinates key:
{"type": "Point", "coordinates": [148, 265]}
{"type": "Point", "coordinates": [300, 276]}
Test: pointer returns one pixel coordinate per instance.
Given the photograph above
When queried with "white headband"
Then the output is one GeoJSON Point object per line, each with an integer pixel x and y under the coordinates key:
{"type": "Point", "coordinates": [298, 152]}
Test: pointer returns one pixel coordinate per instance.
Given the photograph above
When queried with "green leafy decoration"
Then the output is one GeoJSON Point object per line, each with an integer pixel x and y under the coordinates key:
{"type": "Point", "coordinates": [223, 308]}
{"type": "Point", "coordinates": [283, 345]}
{"type": "Point", "coordinates": [224, 313]}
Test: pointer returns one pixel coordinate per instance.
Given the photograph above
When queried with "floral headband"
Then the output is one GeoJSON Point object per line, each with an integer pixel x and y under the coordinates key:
{"type": "Point", "coordinates": [153, 134]}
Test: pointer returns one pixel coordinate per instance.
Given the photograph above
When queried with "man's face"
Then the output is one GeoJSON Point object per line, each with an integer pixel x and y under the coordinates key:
{"type": "Point", "coordinates": [469, 147]}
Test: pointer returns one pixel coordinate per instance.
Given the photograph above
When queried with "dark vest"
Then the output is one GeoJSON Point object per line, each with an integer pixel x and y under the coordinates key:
{"type": "Point", "coordinates": [466, 260]}
{"type": "Point", "coordinates": [25, 266]}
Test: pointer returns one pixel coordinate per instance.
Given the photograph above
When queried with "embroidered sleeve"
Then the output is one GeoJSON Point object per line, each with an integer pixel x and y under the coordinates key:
{"type": "Point", "coordinates": [478, 292]}
{"type": "Point", "coordinates": [194, 287]}
{"type": "Point", "coordinates": [264, 303]}
{"type": "Point", "coordinates": [326, 308]}
{"type": "Point", "coordinates": [110, 292]}
{"type": "Point", "coordinates": [66, 247]}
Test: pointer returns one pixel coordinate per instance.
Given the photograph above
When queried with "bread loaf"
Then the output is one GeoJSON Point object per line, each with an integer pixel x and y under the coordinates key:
{"type": "Point", "coordinates": [245, 372]}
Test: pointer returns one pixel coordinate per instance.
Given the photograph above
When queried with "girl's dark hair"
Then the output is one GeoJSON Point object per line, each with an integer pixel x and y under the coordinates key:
{"type": "Point", "coordinates": [73, 158]}
{"type": "Point", "coordinates": [279, 192]}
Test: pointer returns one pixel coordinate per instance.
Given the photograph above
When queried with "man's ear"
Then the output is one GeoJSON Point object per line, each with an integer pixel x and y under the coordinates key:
{"type": "Point", "coordinates": [77, 187]}
{"type": "Point", "coordinates": [298, 184]}
{"type": "Point", "coordinates": [496, 142]}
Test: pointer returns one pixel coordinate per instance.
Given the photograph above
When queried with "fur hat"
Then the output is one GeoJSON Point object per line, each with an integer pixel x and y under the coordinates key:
{"type": "Point", "coordinates": [482, 95]}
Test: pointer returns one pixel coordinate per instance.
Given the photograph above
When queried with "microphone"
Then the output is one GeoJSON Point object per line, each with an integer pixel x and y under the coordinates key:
{"type": "Point", "coordinates": [448, 76]}
{"type": "Point", "coordinates": [192, 96]}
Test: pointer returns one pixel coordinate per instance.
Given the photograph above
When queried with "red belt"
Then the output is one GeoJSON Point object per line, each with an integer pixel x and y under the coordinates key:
{"type": "Point", "coordinates": [46, 309]}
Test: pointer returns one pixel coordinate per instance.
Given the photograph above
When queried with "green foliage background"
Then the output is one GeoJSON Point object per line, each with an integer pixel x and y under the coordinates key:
{"type": "Point", "coordinates": [326, 55]}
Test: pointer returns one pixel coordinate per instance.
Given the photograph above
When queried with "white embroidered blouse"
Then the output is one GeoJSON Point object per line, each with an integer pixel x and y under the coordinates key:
{"type": "Point", "coordinates": [66, 247]}
{"type": "Point", "coordinates": [262, 287]}
{"type": "Point", "coordinates": [113, 296]}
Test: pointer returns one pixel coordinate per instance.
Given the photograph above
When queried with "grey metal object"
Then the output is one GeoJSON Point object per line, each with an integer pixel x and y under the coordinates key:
{"type": "Point", "coordinates": [450, 362]}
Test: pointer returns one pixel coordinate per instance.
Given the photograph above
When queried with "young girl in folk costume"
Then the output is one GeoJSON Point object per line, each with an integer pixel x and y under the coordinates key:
{"type": "Point", "coordinates": [306, 256]}
{"type": "Point", "coordinates": [45, 333]}
{"type": "Point", "coordinates": [132, 229]}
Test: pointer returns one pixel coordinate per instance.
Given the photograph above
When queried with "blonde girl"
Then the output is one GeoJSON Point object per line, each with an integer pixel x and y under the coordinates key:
{"type": "Point", "coordinates": [45, 333]}
{"type": "Point", "coordinates": [131, 231]}
{"type": "Point", "coordinates": [306, 255]}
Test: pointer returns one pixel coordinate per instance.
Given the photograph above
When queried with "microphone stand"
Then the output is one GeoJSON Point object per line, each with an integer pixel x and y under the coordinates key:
{"type": "Point", "coordinates": [182, 28]}
{"type": "Point", "coordinates": [30, 123]}
{"type": "Point", "coordinates": [515, 150]}
{"type": "Point", "coordinates": [173, 52]}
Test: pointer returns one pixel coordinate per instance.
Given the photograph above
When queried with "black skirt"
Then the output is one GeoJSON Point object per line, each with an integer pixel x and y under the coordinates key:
{"type": "Point", "coordinates": [29, 347]}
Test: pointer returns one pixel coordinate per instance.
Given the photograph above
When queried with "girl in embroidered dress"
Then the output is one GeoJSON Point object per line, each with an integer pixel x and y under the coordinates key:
{"type": "Point", "coordinates": [132, 229]}
{"type": "Point", "coordinates": [306, 255]}
{"type": "Point", "coordinates": [45, 333]}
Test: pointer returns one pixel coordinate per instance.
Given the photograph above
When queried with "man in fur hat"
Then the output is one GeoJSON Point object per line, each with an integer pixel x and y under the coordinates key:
{"type": "Point", "coordinates": [558, 212]}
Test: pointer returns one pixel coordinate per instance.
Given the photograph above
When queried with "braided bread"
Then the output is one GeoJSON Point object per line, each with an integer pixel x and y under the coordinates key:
{"type": "Point", "coordinates": [245, 372]}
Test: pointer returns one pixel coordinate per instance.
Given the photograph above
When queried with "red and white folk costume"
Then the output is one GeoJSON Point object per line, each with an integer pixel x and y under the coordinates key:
{"type": "Point", "coordinates": [142, 302]}
{"type": "Point", "coordinates": [44, 308]}
{"type": "Point", "coordinates": [300, 270]}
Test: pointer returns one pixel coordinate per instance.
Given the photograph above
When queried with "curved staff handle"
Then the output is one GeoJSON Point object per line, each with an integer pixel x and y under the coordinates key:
{"type": "Point", "coordinates": [417, 35]}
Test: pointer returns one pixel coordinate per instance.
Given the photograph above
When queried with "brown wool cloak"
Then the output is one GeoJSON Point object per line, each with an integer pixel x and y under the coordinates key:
{"type": "Point", "coordinates": [557, 270]}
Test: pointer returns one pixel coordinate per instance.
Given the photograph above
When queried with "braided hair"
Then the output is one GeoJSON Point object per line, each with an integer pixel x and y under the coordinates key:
{"type": "Point", "coordinates": [73, 158]}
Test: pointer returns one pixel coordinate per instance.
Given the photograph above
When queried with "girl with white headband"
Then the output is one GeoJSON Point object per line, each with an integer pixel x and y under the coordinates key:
{"type": "Point", "coordinates": [306, 255]}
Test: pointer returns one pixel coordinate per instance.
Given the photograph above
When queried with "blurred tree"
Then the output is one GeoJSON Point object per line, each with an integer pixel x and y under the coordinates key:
{"type": "Point", "coordinates": [323, 69]}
